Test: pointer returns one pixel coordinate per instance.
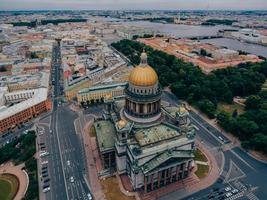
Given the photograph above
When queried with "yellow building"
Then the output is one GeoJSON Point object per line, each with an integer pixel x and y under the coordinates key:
{"type": "Point", "coordinates": [72, 90]}
{"type": "Point", "coordinates": [100, 93]}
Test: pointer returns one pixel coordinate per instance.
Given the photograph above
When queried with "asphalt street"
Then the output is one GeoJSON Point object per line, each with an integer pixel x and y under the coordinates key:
{"type": "Point", "coordinates": [66, 166]}
{"type": "Point", "coordinates": [238, 169]}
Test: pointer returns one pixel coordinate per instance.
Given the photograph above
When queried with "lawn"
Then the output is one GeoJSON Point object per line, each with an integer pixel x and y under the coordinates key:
{"type": "Point", "coordinates": [8, 186]}
{"type": "Point", "coordinates": [112, 190]}
{"type": "Point", "coordinates": [199, 156]}
{"type": "Point", "coordinates": [202, 171]}
{"type": "Point", "coordinates": [230, 108]}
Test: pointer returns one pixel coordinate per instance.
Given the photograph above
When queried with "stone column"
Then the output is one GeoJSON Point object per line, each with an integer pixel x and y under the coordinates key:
{"type": "Point", "coordinates": [152, 181]}
{"type": "Point", "coordinates": [159, 177]}
{"type": "Point", "coordinates": [177, 171]}
{"type": "Point", "coordinates": [165, 176]}
{"type": "Point", "coordinates": [145, 184]}
{"type": "Point", "coordinates": [171, 174]}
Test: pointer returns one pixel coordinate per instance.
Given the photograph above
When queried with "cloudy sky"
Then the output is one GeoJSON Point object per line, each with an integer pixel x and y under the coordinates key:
{"type": "Point", "coordinates": [133, 4]}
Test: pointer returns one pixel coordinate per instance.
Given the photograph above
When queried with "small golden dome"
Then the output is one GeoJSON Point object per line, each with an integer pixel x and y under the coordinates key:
{"type": "Point", "coordinates": [121, 124]}
{"type": "Point", "coordinates": [143, 74]}
{"type": "Point", "coordinates": [182, 109]}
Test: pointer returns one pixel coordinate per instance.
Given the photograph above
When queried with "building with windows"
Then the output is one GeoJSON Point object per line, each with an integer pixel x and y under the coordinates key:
{"type": "Point", "coordinates": [21, 106]}
{"type": "Point", "coordinates": [100, 92]}
{"type": "Point", "coordinates": [152, 145]}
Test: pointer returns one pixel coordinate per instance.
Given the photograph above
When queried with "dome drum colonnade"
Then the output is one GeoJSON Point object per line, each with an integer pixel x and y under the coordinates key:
{"type": "Point", "coordinates": [143, 94]}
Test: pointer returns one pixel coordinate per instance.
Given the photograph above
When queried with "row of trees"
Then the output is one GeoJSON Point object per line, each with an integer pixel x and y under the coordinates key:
{"type": "Point", "coordinates": [189, 83]}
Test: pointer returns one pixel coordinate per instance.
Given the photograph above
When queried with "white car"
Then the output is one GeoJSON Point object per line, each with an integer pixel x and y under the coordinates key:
{"type": "Point", "coordinates": [234, 191]}
{"type": "Point", "coordinates": [229, 194]}
{"type": "Point", "coordinates": [44, 154]}
{"type": "Point", "coordinates": [45, 162]}
{"type": "Point", "coordinates": [227, 189]}
{"type": "Point", "coordinates": [89, 196]}
{"type": "Point", "coordinates": [71, 179]}
{"type": "Point", "coordinates": [68, 162]}
{"type": "Point", "coordinates": [46, 189]}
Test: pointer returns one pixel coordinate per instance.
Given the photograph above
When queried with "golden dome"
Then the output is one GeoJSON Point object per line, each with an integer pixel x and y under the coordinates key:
{"type": "Point", "coordinates": [143, 74]}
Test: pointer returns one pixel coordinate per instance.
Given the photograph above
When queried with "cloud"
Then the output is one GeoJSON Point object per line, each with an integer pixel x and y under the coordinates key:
{"type": "Point", "coordinates": [133, 4]}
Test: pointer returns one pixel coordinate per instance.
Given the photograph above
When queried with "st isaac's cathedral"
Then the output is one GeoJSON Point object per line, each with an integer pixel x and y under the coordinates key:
{"type": "Point", "coordinates": [142, 137]}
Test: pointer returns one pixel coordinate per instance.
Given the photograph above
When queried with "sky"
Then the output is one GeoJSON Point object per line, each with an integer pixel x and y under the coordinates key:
{"type": "Point", "coordinates": [134, 4]}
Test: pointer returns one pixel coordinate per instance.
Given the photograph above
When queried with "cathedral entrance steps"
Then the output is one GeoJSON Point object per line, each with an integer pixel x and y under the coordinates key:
{"type": "Point", "coordinates": [180, 185]}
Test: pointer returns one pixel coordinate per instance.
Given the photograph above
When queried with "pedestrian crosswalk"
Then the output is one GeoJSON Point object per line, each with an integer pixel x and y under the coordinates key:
{"type": "Point", "coordinates": [241, 194]}
{"type": "Point", "coordinates": [252, 196]}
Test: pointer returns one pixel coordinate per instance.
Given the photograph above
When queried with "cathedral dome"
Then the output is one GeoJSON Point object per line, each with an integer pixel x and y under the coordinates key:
{"type": "Point", "coordinates": [143, 74]}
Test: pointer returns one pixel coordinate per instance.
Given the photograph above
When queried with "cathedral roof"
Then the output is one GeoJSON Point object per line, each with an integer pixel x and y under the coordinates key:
{"type": "Point", "coordinates": [143, 74]}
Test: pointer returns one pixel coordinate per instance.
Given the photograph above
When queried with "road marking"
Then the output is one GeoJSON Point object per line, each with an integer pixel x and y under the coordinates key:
{"type": "Point", "coordinates": [252, 196]}
{"type": "Point", "coordinates": [61, 156]}
{"type": "Point", "coordinates": [232, 164]}
{"type": "Point", "coordinates": [242, 159]}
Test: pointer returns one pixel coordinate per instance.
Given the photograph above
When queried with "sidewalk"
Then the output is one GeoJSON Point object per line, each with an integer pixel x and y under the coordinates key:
{"type": "Point", "coordinates": [90, 149]}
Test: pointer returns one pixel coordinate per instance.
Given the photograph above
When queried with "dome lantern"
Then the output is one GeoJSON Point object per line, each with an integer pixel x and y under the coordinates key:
{"type": "Point", "coordinates": [143, 59]}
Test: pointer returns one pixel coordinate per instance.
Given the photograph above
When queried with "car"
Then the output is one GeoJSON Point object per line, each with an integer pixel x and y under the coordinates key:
{"type": "Point", "coordinates": [45, 167]}
{"type": "Point", "coordinates": [229, 194]}
{"type": "Point", "coordinates": [68, 162]}
{"type": "Point", "coordinates": [227, 189]}
{"type": "Point", "coordinates": [71, 179]}
{"type": "Point", "coordinates": [45, 175]}
{"type": "Point", "coordinates": [43, 154]}
{"type": "Point", "coordinates": [46, 180]}
{"type": "Point", "coordinates": [44, 162]}
{"type": "Point", "coordinates": [43, 148]}
{"type": "Point", "coordinates": [46, 189]}
{"type": "Point", "coordinates": [221, 138]}
{"type": "Point", "coordinates": [234, 191]}
{"type": "Point", "coordinates": [89, 196]}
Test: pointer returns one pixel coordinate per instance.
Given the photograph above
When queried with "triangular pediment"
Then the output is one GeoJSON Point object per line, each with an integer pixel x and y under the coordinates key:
{"type": "Point", "coordinates": [165, 159]}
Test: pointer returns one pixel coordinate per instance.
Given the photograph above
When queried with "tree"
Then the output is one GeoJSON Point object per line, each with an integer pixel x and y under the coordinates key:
{"type": "Point", "coordinates": [246, 128]}
{"type": "Point", "coordinates": [223, 119]}
{"type": "Point", "coordinates": [235, 113]}
{"type": "Point", "coordinates": [3, 69]}
{"type": "Point", "coordinates": [253, 102]}
{"type": "Point", "coordinates": [207, 107]}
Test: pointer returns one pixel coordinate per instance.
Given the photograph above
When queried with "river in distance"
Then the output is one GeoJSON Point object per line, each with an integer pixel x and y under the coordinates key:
{"type": "Point", "coordinates": [187, 31]}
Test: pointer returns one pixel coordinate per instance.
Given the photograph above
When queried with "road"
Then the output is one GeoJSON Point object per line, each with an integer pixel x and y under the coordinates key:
{"type": "Point", "coordinates": [238, 169]}
{"type": "Point", "coordinates": [64, 145]}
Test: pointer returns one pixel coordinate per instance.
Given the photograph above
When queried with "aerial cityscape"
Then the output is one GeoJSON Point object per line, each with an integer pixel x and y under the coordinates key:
{"type": "Point", "coordinates": [133, 100]}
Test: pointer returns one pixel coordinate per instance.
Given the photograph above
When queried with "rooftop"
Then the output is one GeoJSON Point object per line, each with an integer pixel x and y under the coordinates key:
{"type": "Point", "coordinates": [158, 160]}
{"type": "Point", "coordinates": [155, 134]}
{"type": "Point", "coordinates": [39, 96]}
{"type": "Point", "coordinates": [105, 132]}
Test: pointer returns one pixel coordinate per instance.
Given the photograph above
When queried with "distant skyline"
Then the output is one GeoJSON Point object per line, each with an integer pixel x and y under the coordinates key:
{"type": "Point", "coordinates": [133, 4]}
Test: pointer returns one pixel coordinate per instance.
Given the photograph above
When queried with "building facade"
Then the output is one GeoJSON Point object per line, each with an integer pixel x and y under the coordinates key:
{"type": "Point", "coordinates": [100, 93]}
{"type": "Point", "coordinates": [152, 145]}
{"type": "Point", "coordinates": [27, 105]}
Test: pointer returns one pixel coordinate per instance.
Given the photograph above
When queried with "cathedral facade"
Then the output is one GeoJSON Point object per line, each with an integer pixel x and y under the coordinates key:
{"type": "Point", "coordinates": [150, 143]}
